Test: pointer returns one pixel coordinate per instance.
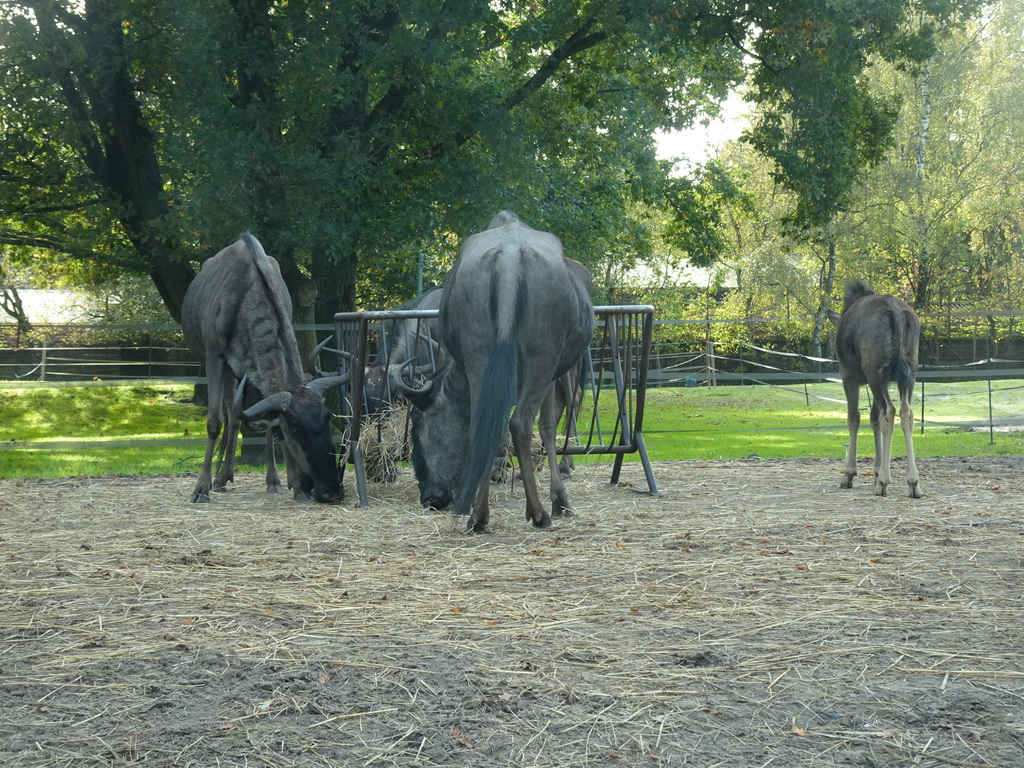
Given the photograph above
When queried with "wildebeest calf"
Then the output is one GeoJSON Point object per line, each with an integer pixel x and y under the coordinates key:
{"type": "Point", "coordinates": [877, 339]}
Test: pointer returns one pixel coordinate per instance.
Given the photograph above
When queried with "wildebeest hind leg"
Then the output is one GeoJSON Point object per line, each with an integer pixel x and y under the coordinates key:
{"type": "Point", "coordinates": [481, 514]}
{"type": "Point", "coordinates": [907, 425]}
{"type": "Point", "coordinates": [852, 389]}
{"type": "Point", "coordinates": [521, 427]}
{"type": "Point", "coordinates": [883, 419]}
{"type": "Point", "coordinates": [548, 434]}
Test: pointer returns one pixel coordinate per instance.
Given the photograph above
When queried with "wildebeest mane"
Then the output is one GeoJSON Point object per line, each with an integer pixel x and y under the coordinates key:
{"type": "Point", "coordinates": [281, 303]}
{"type": "Point", "coordinates": [855, 289]}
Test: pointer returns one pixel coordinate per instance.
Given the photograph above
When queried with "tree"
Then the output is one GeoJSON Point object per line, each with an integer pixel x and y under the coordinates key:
{"type": "Point", "coordinates": [352, 136]}
{"type": "Point", "coordinates": [942, 215]}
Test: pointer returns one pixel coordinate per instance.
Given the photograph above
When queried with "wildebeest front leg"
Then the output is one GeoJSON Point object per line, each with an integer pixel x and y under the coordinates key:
{"type": "Point", "coordinates": [273, 478]}
{"type": "Point", "coordinates": [201, 493]}
{"type": "Point", "coordinates": [852, 389]}
{"type": "Point", "coordinates": [232, 394]}
{"type": "Point", "coordinates": [215, 378]}
{"type": "Point", "coordinates": [226, 458]}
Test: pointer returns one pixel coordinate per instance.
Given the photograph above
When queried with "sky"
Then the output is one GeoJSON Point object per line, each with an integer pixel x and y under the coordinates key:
{"type": "Point", "coordinates": [699, 142]}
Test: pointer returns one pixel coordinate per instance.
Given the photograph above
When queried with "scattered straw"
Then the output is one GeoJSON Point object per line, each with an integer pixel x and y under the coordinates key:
{"type": "Point", "coordinates": [753, 615]}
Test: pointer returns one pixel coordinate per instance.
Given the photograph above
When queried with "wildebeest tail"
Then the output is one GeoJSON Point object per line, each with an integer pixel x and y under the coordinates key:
{"type": "Point", "coordinates": [900, 366]}
{"type": "Point", "coordinates": [497, 396]}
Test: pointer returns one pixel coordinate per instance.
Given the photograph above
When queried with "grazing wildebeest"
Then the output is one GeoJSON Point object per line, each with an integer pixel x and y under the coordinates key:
{"type": "Point", "coordinates": [403, 340]}
{"type": "Point", "coordinates": [876, 340]}
{"type": "Point", "coordinates": [236, 318]}
{"type": "Point", "coordinates": [515, 315]}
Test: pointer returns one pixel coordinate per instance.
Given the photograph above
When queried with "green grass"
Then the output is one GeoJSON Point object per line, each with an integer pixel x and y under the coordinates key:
{"type": "Point", "coordinates": [684, 423]}
{"type": "Point", "coordinates": [794, 422]}
{"type": "Point", "coordinates": [92, 414]}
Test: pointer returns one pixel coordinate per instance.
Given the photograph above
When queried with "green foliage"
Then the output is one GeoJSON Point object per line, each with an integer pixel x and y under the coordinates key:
{"type": "Point", "coordinates": [353, 137]}
{"type": "Point", "coordinates": [818, 120]}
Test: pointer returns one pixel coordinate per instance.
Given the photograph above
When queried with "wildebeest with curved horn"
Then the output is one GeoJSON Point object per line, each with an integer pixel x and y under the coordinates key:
{"type": "Point", "coordinates": [515, 315]}
{"type": "Point", "coordinates": [236, 318]}
{"type": "Point", "coordinates": [402, 340]}
{"type": "Point", "coordinates": [877, 340]}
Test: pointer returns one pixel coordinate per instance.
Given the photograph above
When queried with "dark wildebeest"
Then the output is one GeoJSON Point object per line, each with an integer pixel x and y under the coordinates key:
{"type": "Point", "coordinates": [401, 341]}
{"type": "Point", "coordinates": [876, 340]}
{"type": "Point", "coordinates": [236, 318]}
{"type": "Point", "coordinates": [515, 315]}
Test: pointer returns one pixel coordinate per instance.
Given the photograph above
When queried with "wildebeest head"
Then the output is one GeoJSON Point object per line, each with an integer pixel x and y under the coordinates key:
{"type": "Point", "coordinates": [440, 431]}
{"type": "Point", "coordinates": [403, 340]}
{"type": "Point", "coordinates": [301, 418]}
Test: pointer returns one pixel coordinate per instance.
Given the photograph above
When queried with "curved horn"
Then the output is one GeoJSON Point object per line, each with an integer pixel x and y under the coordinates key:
{"type": "Point", "coordinates": [236, 403]}
{"type": "Point", "coordinates": [324, 383]}
{"type": "Point", "coordinates": [322, 347]}
{"type": "Point", "coordinates": [274, 403]}
{"type": "Point", "coordinates": [418, 396]}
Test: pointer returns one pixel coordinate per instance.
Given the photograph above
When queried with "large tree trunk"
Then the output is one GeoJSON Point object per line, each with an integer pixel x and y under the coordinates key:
{"type": "Point", "coordinates": [336, 280]}
{"type": "Point", "coordinates": [117, 144]}
{"type": "Point", "coordinates": [923, 258]}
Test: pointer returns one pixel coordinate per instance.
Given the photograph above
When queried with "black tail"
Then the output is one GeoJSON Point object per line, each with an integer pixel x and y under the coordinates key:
{"type": "Point", "coordinates": [900, 367]}
{"type": "Point", "coordinates": [497, 396]}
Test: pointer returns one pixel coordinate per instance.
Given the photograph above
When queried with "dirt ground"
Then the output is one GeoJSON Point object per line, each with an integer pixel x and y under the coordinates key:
{"type": "Point", "coordinates": [752, 615]}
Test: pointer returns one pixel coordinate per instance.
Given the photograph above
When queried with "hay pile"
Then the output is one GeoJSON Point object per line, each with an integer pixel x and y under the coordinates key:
{"type": "Point", "coordinates": [753, 615]}
{"type": "Point", "coordinates": [384, 442]}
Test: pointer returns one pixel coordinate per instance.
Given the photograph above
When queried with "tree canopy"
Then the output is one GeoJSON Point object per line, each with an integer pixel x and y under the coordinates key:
{"type": "Point", "coordinates": [352, 137]}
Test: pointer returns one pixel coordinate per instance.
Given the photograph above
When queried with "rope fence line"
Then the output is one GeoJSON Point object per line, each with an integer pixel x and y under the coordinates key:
{"type": "Point", "coordinates": [704, 363]}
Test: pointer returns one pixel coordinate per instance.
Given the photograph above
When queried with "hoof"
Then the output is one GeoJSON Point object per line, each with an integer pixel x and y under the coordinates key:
{"type": "Point", "coordinates": [880, 489]}
{"type": "Point", "coordinates": [477, 527]}
{"type": "Point", "coordinates": [298, 496]}
{"type": "Point", "coordinates": [915, 491]}
{"type": "Point", "coordinates": [544, 522]}
{"type": "Point", "coordinates": [200, 498]}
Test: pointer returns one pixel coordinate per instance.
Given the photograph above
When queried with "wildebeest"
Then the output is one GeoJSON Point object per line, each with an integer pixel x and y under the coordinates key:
{"type": "Point", "coordinates": [877, 340]}
{"type": "Point", "coordinates": [515, 315]}
{"type": "Point", "coordinates": [401, 341]}
{"type": "Point", "coordinates": [236, 318]}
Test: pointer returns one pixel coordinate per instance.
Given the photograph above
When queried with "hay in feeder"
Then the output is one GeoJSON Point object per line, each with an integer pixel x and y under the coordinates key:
{"type": "Point", "coordinates": [384, 441]}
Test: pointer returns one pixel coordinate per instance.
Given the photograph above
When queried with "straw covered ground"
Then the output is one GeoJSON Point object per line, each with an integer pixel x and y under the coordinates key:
{"type": "Point", "coordinates": [753, 615]}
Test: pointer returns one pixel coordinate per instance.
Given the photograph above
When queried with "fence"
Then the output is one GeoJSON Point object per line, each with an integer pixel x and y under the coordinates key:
{"type": "Point", "coordinates": [997, 367]}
